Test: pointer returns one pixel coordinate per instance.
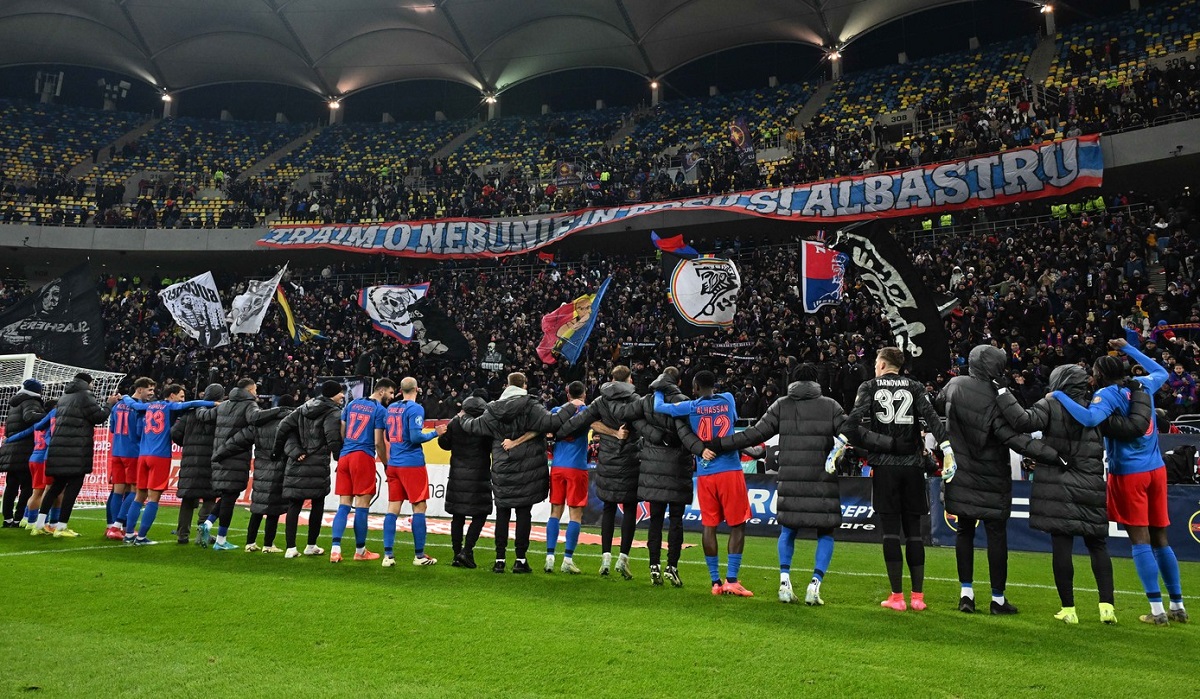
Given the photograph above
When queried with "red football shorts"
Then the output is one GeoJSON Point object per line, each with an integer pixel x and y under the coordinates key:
{"type": "Point", "coordinates": [723, 498]}
{"type": "Point", "coordinates": [1139, 499]}
{"type": "Point", "coordinates": [568, 486]}
{"type": "Point", "coordinates": [37, 469]}
{"type": "Point", "coordinates": [153, 472]}
{"type": "Point", "coordinates": [122, 470]}
{"type": "Point", "coordinates": [409, 483]}
{"type": "Point", "coordinates": [355, 474]}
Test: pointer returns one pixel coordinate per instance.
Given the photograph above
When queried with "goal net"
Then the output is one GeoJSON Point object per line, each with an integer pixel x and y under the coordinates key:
{"type": "Point", "coordinates": [55, 377]}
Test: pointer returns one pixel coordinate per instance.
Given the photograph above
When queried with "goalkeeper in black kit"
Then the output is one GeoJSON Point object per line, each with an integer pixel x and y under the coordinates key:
{"type": "Point", "coordinates": [889, 405]}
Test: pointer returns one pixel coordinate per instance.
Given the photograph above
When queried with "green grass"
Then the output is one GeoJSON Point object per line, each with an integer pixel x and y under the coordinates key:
{"type": "Point", "coordinates": [87, 617]}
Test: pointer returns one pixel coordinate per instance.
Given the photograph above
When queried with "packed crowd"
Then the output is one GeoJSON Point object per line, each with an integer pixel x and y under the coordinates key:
{"type": "Point", "coordinates": [1048, 294]}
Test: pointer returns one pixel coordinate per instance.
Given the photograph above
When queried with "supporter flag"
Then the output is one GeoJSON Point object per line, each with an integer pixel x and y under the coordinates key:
{"type": "Point", "coordinates": [547, 257]}
{"type": "Point", "coordinates": [248, 309]}
{"type": "Point", "coordinates": [739, 136]}
{"type": "Point", "coordinates": [703, 289]}
{"type": "Point", "coordinates": [887, 271]}
{"type": "Point", "coordinates": [493, 357]}
{"type": "Point", "coordinates": [567, 328]}
{"type": "Point", "coordinates": [388, 307]}
{"type": "Point", "coordinates": [567, 174]}
{"type": "Point", "coordinates": [299, 333]}
{"type": "Point", "coordinates": [436, 333]}
{"type": "Point", "coordinates": [690, 160]}
{"type": "Point", "coordinates": [59, 322]}
{"type": "Point", "coordinates": [822, 271]}
{"type": "Point", "coordinates": [196, 306]}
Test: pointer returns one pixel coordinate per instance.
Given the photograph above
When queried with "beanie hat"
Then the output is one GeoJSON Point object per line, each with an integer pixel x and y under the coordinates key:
{"type": "Point", "coordinates": [214, 392]}
{"type": "Point", "coordinates": [287, 402]}
{"type": "Point", "coordinates": [329, 389]}
{"type": "Point", "coordinates": [32, 385]}
{"type": "Point", "coordinates": [84, 377]}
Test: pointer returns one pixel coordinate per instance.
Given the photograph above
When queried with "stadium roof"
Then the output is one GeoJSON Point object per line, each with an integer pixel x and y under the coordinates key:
{"type": "Point", "coordinates": [336, 47]}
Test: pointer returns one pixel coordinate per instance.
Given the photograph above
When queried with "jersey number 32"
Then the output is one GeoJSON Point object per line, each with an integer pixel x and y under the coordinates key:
{"type": "Point", "coordinates": [895, 407]}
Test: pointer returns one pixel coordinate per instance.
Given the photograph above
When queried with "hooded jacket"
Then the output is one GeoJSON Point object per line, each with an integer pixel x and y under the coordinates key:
{"type": "Point", "coordinates": [193, 432]}
{"type": "Point", "coordinates": [266, 494]}
{"type": "Point", "coordinates": [469, 488]}
{"type": "Point", "coordinates": [231, 473]}
{"type": "Point", "coordinates": [24, 410]}
{"type": "Point", "coordinates": [314, 431]}
{"type": "Point", "coordinates": [666, 446]}
{"type": "Point", "coordinates": [1072, 500]}
{"type": "Point", "coordinates": [70, 452]}
{"type": "Point", "coordinates": [617, 464]}
{"type": "Point", "coordinates": [806, 423]}
{"type": "Point", "coordinates": [981, 439]}
{"type": "Point", "coordinates": [520, 477]}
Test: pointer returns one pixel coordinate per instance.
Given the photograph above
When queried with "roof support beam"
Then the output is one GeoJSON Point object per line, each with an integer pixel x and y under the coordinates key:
{"type": "Point", "coordinates": [637, 40]}
{"type": "Point", "coordinates": [145, 48]}
{"type": "Point", "coordinates": [444, 7]}
{"type": "Point", "coordinates": [300, 49]}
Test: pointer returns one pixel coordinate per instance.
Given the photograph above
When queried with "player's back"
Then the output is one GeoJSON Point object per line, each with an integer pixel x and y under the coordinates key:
{"type": "Point", "coordinates": [1135, 455]}
{"type": "Point", "coordinates": [888, 405]}
{"type": "Point", "coordinates": [362, 417]}
{"type": "Point", "coordinates": [404, 417]}
{"type": "Point", "coordinates": [570, 451]}
{"type": "Point", "coordinates": [125, 431]}
{"type": "Point", "coordinates": [713, 417]}
{"type": "Point", "coordinates": [156, 430]}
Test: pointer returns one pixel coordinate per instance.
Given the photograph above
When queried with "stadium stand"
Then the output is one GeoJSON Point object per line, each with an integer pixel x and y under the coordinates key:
{"type": "Point", "coordinates": [535, 143]}
{"type": "Point", "coordinates": [39, 140]}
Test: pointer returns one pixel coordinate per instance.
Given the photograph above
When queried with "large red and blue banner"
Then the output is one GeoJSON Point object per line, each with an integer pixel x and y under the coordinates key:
{"type": "Point", "coordinates": [1019, 174]}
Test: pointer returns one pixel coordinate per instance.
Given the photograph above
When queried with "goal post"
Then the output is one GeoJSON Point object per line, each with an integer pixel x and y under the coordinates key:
{"type": "Point", "coordinates": [55, 377]}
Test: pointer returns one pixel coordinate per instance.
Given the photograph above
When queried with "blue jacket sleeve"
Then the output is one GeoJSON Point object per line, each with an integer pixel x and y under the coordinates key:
{"type": "Point", "coordinates": [1158, 373]}
{"type": "Point", "coordinates": [414, 431]}
{"type": "Point", "coordinates": [189, 404]}
{"type": "Point", "coordinates": [673, 409]}
{"type": "Point", "coordinates": [1094, 414]}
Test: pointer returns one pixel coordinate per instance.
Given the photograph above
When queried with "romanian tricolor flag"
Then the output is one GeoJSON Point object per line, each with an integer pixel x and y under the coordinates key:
{"type": "Point", "coordinates": [567, 328]}
{"type": "Point", "coordinates": [299, 333]}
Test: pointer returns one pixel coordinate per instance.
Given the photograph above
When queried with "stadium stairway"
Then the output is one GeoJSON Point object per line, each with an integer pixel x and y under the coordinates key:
{"type": "Point", "coordinates": [618, 138]}
{"type": "Point", "coordinates": [1040, 61]}
{"type": "Point", "coordinates": [813, 105]}
{"type": "Point", "coordinates": [85, 167]}
{"type": "Point", "coordinates": [458, 140]}
{"type": "Point", "coordinates": [262, 165]}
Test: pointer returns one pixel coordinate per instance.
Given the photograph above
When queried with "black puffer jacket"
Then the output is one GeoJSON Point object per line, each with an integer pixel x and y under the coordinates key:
{"type": "Point", "coordinates": [266, 494]}
{"type": "Point", "coordinates": [981, 439]}
{"type": "Point", "coordinates": [24, 410]}
{"type": "Point", "coordinates": [469, 488]}
{"type": "Point", "coordinates": [617, 464]}
{"type": "Point", "coordinates": [193, 432]}
{"type": "Point", "coordinates": [231, 473]}
{"type": "Point", "coordinates": [315, 432]}
{"type": "Point", "coordinates": [1072, 500]}
{"type": "Point", "coordinates": [521, 477]}
{"type": "Point", "coordinates": [70, 451]}
{"type": "Point", "coordinates": [806, 423]}
{"type": "Point", "coordinates": [665, 451]}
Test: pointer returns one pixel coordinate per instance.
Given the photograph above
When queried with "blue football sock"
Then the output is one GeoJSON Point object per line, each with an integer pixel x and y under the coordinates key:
{"type": "Point", "coordinates": [360, 526]}
{"type": "Point", "coordinates": [212, 518]}
{"type": "Point", "coordinates": [54, 513]}
{"type": "Point", "coordinates": [126, 503]}
{"type": "Point", "coordinates": [148, 516]}
{"type": "Point", "coordinates": [131, 517]}
{"type": "Point", "coordinates": [824, 556]}
{"type": "Point", "coordinates": [31, 514]}
{"type": "Point", "coordinates": [1147, 570]}
{"type": "Point", "coordinates": [572, 538]}
{"type": "Point", "coordinates": [418, 527]}
{"type": "Point", "coordinates": [389, 533]}
{"type": "Point", "coordinates": [787, 548]}
{"type": "Point", "coordinates": [551, 535]}
{"type": "Point", "coordinates": [110, 508]}
{"type": "Point", "coordinates": [1168, 566]}
{"type": "Point", "coordinates": [732, 565]}
{"type": "Point", "coordinates": [339, 524]}
{"type": "Point", "coordinates": [714, 568]}
{"type": "Point", "coordinates": [221, 531]}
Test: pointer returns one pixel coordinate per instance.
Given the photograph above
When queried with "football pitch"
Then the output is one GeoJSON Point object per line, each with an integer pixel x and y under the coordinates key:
{"type": "Point", "coordinates": [89, 617]}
